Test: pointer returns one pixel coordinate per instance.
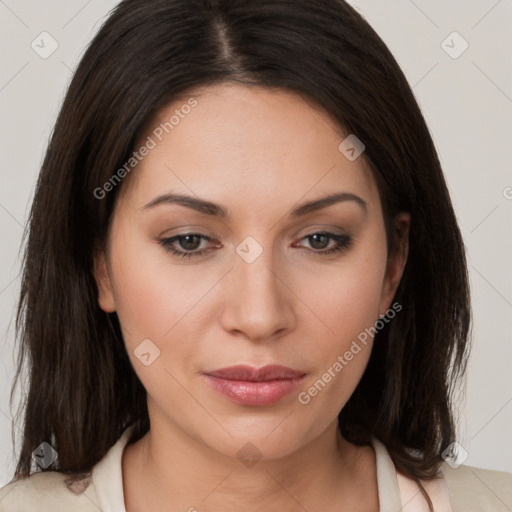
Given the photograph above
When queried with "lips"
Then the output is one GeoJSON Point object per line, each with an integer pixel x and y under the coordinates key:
{"type": "Point", "coordinates": [250, 374]}
{"type": "Point", "coordinates": [250, 386]}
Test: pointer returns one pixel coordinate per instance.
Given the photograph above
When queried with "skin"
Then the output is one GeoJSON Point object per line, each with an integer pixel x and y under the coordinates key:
{"type": "Point", "coordinates": [258, 154]}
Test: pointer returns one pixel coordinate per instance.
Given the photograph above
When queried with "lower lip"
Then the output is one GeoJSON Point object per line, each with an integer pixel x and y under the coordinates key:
{"type": "Point", "coordinates": [254, 393]}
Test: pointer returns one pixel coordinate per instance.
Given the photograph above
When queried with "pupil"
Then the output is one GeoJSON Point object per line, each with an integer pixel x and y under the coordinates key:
{"type": "Point", "coordinates": [187, 242]}
{"type": "Point", "coordinates": [322, 239]}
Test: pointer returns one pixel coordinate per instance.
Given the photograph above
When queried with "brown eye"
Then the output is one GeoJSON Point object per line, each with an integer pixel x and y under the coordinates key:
{"type": "Point", "coordinates": [320, 241]}
{"type": "Point", "coordinates": [189, 242]}
{"type": "Point", "coordinates": [186, 245]}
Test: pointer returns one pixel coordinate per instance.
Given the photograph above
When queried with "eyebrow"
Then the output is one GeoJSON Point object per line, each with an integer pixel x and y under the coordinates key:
{"type": "Point", "coordinates": [209, 208]}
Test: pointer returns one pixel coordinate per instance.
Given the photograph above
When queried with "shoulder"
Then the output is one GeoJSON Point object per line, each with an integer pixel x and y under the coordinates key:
{"type": "Point", "coordinates": [464, 489]}
{"type": "Point", "coordinates": [474, 488]}
{"type": "Point", "coordinates": [49, 491]}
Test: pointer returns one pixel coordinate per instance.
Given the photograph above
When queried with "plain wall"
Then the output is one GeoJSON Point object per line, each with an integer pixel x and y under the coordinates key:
{"type": "Point", "coordinates": [467, 102]}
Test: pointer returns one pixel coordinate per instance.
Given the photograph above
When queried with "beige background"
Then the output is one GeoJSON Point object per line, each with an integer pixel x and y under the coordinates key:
{"type": "Point", "coordinates": [467, 102]}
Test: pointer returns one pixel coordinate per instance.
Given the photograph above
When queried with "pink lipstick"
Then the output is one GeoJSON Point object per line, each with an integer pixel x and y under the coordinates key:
{"type": "Point", "coordinates": [246, 385]}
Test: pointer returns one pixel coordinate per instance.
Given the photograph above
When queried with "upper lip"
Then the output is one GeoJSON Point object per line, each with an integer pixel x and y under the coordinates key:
{"type": "Point", "coordinates": [251, 374]}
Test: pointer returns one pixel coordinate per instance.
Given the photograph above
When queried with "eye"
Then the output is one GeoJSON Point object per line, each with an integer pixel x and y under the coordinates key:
{"type": "Point", "coordinates": [320, 241]}
{"type": "Point", "coordinates": [186, 245]}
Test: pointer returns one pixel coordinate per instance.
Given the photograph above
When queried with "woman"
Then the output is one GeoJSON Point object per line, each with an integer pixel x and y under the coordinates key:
{"type": "Point", "coordinates": [301, 354]}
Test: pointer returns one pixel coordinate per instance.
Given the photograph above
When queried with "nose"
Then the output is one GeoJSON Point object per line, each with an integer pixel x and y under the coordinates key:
{"type": "Point", "coordinates": [259, 303]}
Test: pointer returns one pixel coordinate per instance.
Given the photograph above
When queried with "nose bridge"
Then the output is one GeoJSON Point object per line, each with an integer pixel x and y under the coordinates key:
{"type": "Point", "coordinates": [258, 304]}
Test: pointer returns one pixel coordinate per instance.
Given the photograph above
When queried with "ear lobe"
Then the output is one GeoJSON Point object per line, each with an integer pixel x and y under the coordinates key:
{"type": "Point", "coordinates": [397, 260]}
{"type": "Point", "coordinates": [105, 294]}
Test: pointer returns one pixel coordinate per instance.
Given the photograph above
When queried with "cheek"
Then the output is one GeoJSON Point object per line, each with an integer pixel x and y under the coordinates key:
{"type": "Point", "coordinates": [345, 298]}
{"type": "Point", "coordinates": [151, 293]}
{"type": "Point", "coordinates": [159, 302]}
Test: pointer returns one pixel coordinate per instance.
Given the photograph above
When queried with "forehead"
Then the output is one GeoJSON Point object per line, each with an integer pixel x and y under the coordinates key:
{"type": "Point", "coordinates": [241, 144]}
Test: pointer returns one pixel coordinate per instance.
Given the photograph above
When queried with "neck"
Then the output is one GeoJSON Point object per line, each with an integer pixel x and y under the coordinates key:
{"type": "Point", "coordinates": [169, 470]}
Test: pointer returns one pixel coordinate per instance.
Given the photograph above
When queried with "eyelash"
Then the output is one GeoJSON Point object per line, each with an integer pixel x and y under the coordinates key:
{"type": "Point", "coordinates": [344, 242]}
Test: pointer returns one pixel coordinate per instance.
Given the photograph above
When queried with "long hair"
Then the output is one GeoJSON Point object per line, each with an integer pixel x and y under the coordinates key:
{"type": "Point", "coordinates": [82, 389]}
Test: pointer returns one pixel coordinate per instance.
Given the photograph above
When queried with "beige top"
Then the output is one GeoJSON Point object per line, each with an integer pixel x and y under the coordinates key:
{"type": "Point", "coordinates": [465, 489]}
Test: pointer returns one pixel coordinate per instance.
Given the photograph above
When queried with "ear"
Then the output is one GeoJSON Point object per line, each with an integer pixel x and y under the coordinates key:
{"type": "Point", "coordinates": [101, 275]}
{"type": "Point", "coordinates": [396, 262]}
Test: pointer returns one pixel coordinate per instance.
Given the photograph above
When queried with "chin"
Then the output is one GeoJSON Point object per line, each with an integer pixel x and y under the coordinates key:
{"type": "Point", "coordinates": [262, 442]}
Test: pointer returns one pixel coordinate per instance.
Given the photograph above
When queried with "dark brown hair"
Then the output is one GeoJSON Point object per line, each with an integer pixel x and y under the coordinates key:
{"type": "Point", "coordinates": [82, 390]}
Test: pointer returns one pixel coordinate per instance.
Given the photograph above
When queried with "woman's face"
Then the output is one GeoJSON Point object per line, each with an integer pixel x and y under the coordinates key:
{"type": "Point", "coordinates": [260, 279]}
